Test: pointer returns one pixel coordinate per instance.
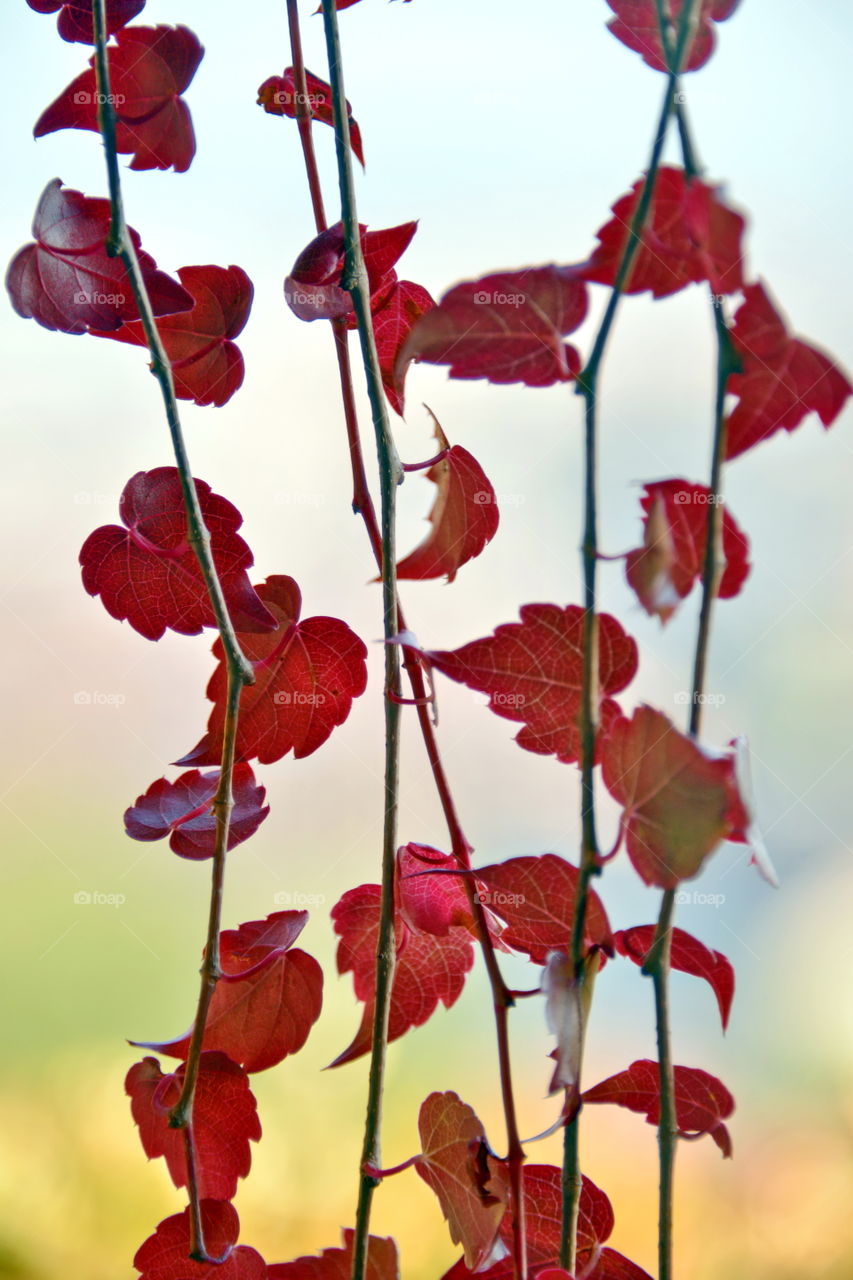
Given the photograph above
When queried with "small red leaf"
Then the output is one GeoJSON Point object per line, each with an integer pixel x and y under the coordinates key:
{"type": "Point", "coordinates": [306, 676]}
{"type": "Point", "coordinates": [313, 288]}
{"type": "Point", "coordinates": [279, 97]}
{"type": "Point", "coordinates": [464, 517]}
{"type": "Point", "coordinates": [224, 1121]}
{"type": "Point", "coordinates": [147, 573]}
{"type": "Point", "coordinates": [532, 672]}
{"type": "Point", "coordinates": [535, 896]}
{"type": "Point", "coordinates": [393, 321]}
{"type": "Point", "coordinates": [75, 16]}
{"type": "Point", "coordinates": [636, 25]}
{"type": "Point", "coordinates": [688, 955]}
{"type": "Point", "coordinates": [166, 1254]}
{"type": "Point", "coordinates": [267, 999]}
{"type": "Point", "coordinates": [182, 811]}
{"type": "Point", "coordinates": [506, 327]}
{"type": "Point", "coordinates": [783, 379]}
{"type": "Point", "coordinates": [67, 281]}
{"type": "Point", "coordinates": [702, 1102]}
{"type": "Point", "coordinates": [431, 903]}
{"type": "Point", "coordinates": [336, 1264]}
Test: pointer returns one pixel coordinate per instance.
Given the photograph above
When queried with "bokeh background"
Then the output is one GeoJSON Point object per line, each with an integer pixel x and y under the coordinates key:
{"type": "Point", "coordinates": [508, 132]}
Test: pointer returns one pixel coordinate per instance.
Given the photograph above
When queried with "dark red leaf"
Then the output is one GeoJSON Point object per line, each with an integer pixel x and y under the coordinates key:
{"type": "Point", "coordinates": [279, 97]}
{"type": "Point", "coordinates": [506, 327]}
{"type": "Point", "coordinates": [182, 811]}
{"type": "Point", "coordinates": [313, 289]}
{"type": "Point", "coordinates": [224, 1121]}
{"type": "Point", "coordinates": [150, 67]}
{"type": "Point", "coordinates": [147, 572]}
{"type": "Point", "coordinates": [689, 236]}
{"type": "Point", "coordinates": [66, 280]}
{"type": "Point", "coordinates": [165, 1255]}
{"type": "Point", "coordinates": [688, 955]}
{"type": "Point", "coordinates": [675, 525]}
{"type": "Point", "coordinates": [207, 366]}
{"type": "Point", "coordinates": [611, 1265]}
{"type": "Point", "coordinates": [783, 379]}
{"type": "Point", "coordinates": [336, 1264]}
{"type": "Point", "coordinates": [702, 1102]}
{"type": "Point", "coordinates": [636, 25]}
{"type": "Point", "coordinates": [267, 999]}
{"type": "Point", "coordinates": [431, 903]}
{"type": "Point", "coordinates": [306, 676]}
{"type": "Point", "coordinates": [532, 672]}
{"type": "Point", "coordinates": [392, 324]}
{"type": "Point", "coordinates": [75, 16]}
{"type": "Point", "coordinates": [535, 897]}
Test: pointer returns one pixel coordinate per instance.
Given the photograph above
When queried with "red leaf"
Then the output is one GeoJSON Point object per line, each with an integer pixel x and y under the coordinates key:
{"type": "Point", "coordinates": [675, 524]}
{"type": "Point", "coordinates": [313, 289]}
{"type": "Point", "coordinates": [688, 955]}
{"type": "Point", "coordinates": [224, 1121]}
{"type": "Point", "coordinates": [279, 97]}
{"type": "Point", "coordinates": [267, 999]}
{"type": "Point", "coordinates": [702, 1102]}
{"type": "Point", "coordinates": [392, 324]}
{"type": "Point", "coordinates": [147, 572]}
{"type": "Point", "coordinates": [182, 810]}
{"type": "Point", "coordinates": [431, 903]}
{"type": "Point", "coordinates": [532, 672]}
{"type": "Point", "coordinates": [464, 517]}
{"type": "Point", "coordinates": [429, 969]}
{"type": "Point", "coordinates": [66, 280]}
{"type": "Point", "coordinates": [506, 327]}
{"type": "Point", "coordinates": [689, 236]}
{"type": "Point", "coordinates": [336, 1264]}
{"type": "Point", "coordinates": [165, 1255]}
{"type": "Point", "coordinates": [150, 67]}
{"type": "Point", "coordinates": [306, 676]}
{"type": "Point", "coordinates": [472, 1187]}
{"type": "Point", "coordinates": [207, 367]}
{"type": "Point", "coordinates": [535, 896]}
{"type": "Point", "coordinates": [75, 16]}
{"type": "Point", "coordinates": [611, 1265]}
{"type": "Point", "coordinates": [783, 380]}
{"type": "Point", "coordinates": [636, 25]}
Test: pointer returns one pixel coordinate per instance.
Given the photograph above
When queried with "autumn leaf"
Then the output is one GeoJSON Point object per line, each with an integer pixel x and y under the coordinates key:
{"type": "Point", "coordinates": [148, 574]}
{"type": "Point", "coordinates": [67, 281]}
{"type": "Point", "coordinates": [532, 672]}
{"type": "Point", "coordinates": [535, 897]}
{"type": "Point", "coordinates": [267, 1000]}
{"type": "Point", "coordinates": [336, 1264]}
{"type": "Point", "coordinates": [507, 327]}
{"type": "Point", "coordinates": [224, 1121]}
{"type": "Point", "coordinates": [702, 1102]}
{"type": "Point", "coordinates": [150, 67]}
{"type": "Point", "coordinates": [636, 25]}
{"type": "Point", "coordinates": [306, 676]}
{"type": "Point", "coordinates": [75, 16]}
{"type": "Point", "coordinates": [688, 955]}
{"type": "Point", "coordinates": [182, 811]}
{"type": "Point", "coordinates": [207, 366]}
{"type": "Point", "coordinates": [393, 321]}
{"type": "Point", "coordinates": [464, 517]}
{"type": "Point", "coordinates": [279, 96]}
{"type": "Point", "coordinates": [166, 1254]}
{"type": "Point", "coordinates": [429, 902]}
{"type": "Point", "coordinates": [782, 380]}
{"type": "Point", "coordinates": [313, 289]}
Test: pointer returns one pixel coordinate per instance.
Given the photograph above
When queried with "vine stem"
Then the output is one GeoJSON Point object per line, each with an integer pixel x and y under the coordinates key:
{"type": "Point", "coordinates": [240, 672]}
{"type": "Point", "coordinates": [587, 387]}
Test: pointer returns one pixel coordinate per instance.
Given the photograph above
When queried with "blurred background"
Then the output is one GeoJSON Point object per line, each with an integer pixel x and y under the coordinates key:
{"type": "Point", "coordinates": [508, 133]}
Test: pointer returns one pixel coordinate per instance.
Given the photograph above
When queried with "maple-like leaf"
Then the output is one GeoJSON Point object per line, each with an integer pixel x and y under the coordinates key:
{"type": "Point", "coordinates": [675, 527]}
{"type": "Point", "coordinates": [313, 288]}
{"type": "Point", "coordinates": [336, 1264]}
{"type": "Point", "coordinates": [75, 16]}
{"type": "Point", "coordinates": [690, 235]}
{"type": "Point", "coordinates": [429, 902]}
{"type": "Point", "coordinates": [166, 1254]}
{"type": "Point", "coordinates": [150, 67]}
{"type": "Point", "coordinates": [636, 25]}
{"type": "Point", "coordinates": [532, 672]}
{"type": "Point", "coordinates": [471, 1185]}
{"type": "Point", "coordinates": [207, 366]}
{"type": "Point", "coordinates": [506, 327]}
{"type": "Point", "coordinates": [224, 1121]}
{"type": "Point", "coordinates": [182, 811]}
{"type": "Point", "coordinates": [782, 380]}
{"type": "Point", "coordinates": [429, 969]}
{"type": "Point", "coordinates": [535, 897]}
{"type": "Point", "coordinates": [279, 96]}
{"type": "Point", "coordinates": [679, 802]}
{"type": "Point", "coordinates": [464, 517]}
{"type": "Point", "coordinates": [702, 1102]}
{"type": "Point", "coordinates": [393, 321]}
{"type": "Point", "coordinates": [66, 280]}
{"type": "Point", "coordinates": [688, 955]}
{"type": "Point", "coordinates": [148, 574]}
{"type": "Point", "coordinates": [267, 1000]}
{"type": "Point", "coordinates": [306, 676]}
